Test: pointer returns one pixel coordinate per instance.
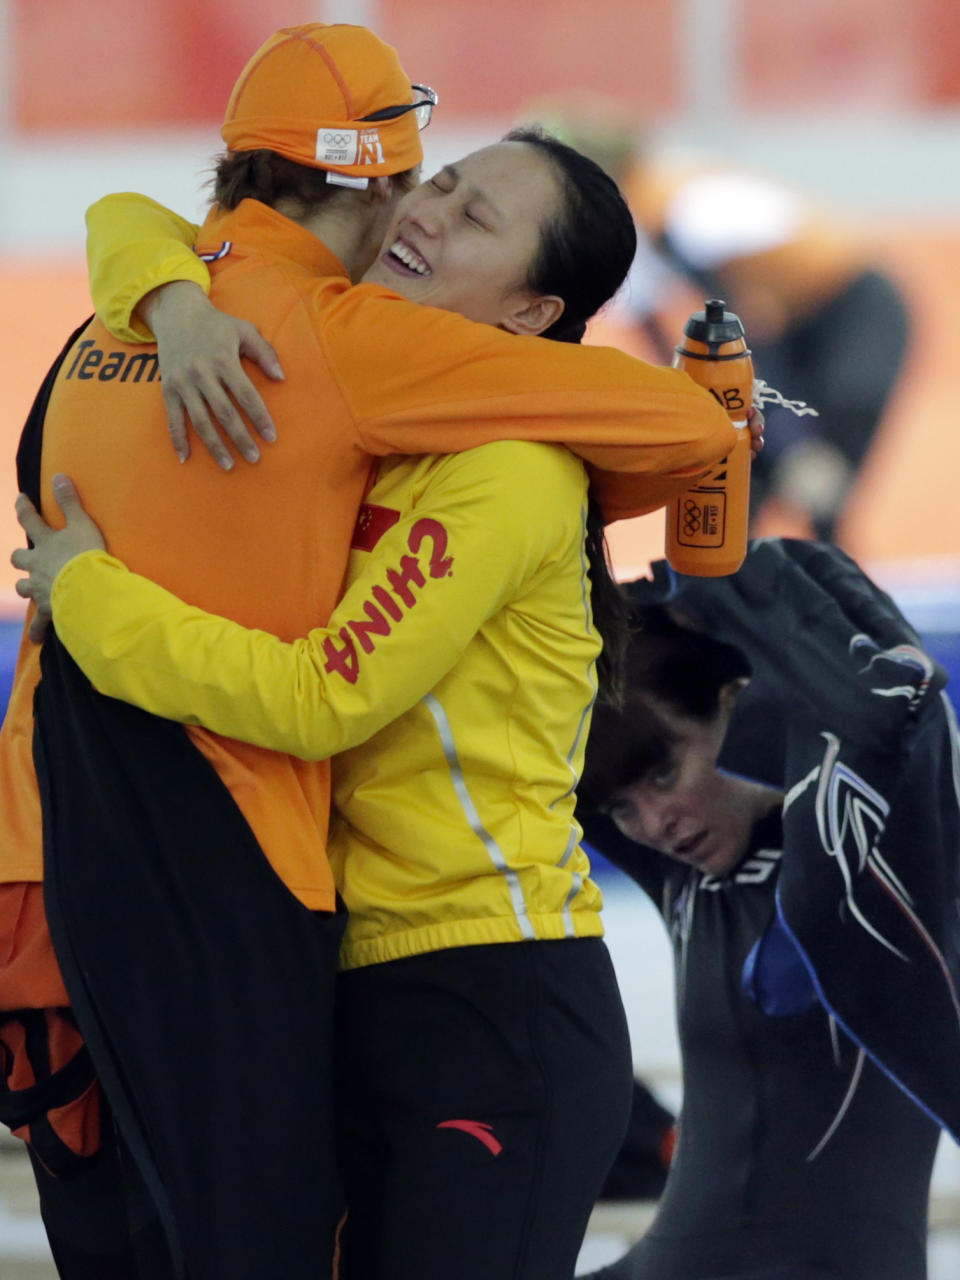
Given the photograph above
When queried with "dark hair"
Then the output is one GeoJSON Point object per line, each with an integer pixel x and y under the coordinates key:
{"type": "Point", "coordinates": [268, 177]}
{"type": "Point", "coordinates": [583, 257]}
{"type": "Point", "coordinates": [625, 744]}
{"type": "Point", "coordinates": [610, 608]}
{"type": "Point", "coordinates": [683, 670]}
{"type": "Point", "coordinates": [586, 251]}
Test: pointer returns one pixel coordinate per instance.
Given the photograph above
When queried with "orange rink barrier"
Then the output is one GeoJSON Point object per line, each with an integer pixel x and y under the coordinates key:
{"type": "Point", "coordinates": [905, 506]}
{"type": "Point", "coordinates": [43, 301]}
{"type": "Point", "coordinates": [903, 512]}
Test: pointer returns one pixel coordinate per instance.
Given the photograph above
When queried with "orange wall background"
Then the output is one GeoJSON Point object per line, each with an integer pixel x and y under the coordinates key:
{"type": "Point", "coordinates": [49, 300]}
{"type": "Point", "coordinates": [861, 53]}
{"type": "Point", "coordinates": [109, 64]}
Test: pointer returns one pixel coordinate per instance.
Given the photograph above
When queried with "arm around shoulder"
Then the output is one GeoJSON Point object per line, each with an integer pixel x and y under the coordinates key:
{"type": "Point", "coordinates": [134, 245]}
{"type": "Point", "coordinates": [422, 380]}
{"type": "Point", "coordinates": [467, 547]}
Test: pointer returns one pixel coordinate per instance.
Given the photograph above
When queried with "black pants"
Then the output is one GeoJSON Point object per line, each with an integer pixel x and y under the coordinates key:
{"type": "Point", "coordinates": [622, 1271]}
{"type": "Point", "coordinates": [640, 1169]}
{"type": "Point", "coordinates": [202, 986]}
{"type": "Point", "coordinates": [482, 1094]}
{"type": "Point", "coordinates": [99, 1220]}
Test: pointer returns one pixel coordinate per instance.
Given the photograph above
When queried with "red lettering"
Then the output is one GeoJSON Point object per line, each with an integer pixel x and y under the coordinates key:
{"type": "Point", "coordinates": [440, 563]}
{"type": "Point", "coordinates": [344, 661]}
{"type": "Point", "coordinates": [387, 603]}
{"type": "Point", "coordinates": [376, 623]}
{"type": "Point", "coordinates": [400, 580]}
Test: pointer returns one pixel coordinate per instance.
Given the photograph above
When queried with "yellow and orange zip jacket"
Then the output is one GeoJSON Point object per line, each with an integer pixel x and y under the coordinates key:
{"type": "Point", "coordinates": [454, 684]}
{"type": "Point", "coordinates": [642, 430]}
{"type": "Point", "coordinates": [367, 374]}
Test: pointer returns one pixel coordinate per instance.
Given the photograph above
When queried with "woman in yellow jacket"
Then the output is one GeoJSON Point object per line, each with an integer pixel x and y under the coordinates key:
{"type": "Point", "coordinates": [484, 1086]}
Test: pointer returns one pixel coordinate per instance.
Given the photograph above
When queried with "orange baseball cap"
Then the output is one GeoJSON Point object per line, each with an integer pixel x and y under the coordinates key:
{"type": "Point", "coordinates": [304, 94]}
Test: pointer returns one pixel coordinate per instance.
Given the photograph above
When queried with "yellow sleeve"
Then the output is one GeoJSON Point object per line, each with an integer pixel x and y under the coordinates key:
{"type": "Point", "coordinates": [487, 521]}
{"type": "Point", "coordinates": [134, 245]}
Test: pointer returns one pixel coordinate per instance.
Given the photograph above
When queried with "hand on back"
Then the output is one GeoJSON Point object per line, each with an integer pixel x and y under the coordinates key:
{"type": "Point", "coordinates": [205, 385]}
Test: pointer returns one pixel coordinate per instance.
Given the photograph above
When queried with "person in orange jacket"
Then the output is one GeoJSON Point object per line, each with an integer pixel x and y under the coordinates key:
{"type": "Point", "coordinates": [387, 376]}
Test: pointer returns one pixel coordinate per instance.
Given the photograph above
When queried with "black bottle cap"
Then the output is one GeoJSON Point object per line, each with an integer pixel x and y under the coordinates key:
{"type": "Point", "coordinates": [714, 324]}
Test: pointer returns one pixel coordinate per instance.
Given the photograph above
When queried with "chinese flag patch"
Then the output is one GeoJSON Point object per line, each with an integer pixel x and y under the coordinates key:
{"type": "Point", "coordinates": [372, 523]}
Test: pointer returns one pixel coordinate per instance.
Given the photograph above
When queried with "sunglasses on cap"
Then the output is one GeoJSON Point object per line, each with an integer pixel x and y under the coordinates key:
{"type": "Point", "coordinates": [422, 105]}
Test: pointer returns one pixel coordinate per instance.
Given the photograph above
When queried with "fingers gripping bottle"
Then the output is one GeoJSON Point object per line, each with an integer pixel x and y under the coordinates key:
{"type": "Point", "coordinates": [707, 522]}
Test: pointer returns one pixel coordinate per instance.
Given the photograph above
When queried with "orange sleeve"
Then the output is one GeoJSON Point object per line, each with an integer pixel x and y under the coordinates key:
{"type": "Point", "coordinates": [420, 380]}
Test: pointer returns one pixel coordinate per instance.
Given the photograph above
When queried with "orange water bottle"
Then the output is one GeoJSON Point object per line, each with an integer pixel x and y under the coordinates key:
{"type": "Point", "coordinates": [707, 522]}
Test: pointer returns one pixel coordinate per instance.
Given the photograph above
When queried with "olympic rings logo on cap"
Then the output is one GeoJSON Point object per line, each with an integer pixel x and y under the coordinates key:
{"type": "Point", "coordinates": [337, 146]}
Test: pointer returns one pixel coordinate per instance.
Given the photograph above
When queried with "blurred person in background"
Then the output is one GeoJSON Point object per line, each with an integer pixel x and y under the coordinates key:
{"type": "Point", "coordinates": [186, 886]}
{"type": "Point", "coordinates": [825, 321]}
{"type": "Point", "coordinates": [798, 1157]}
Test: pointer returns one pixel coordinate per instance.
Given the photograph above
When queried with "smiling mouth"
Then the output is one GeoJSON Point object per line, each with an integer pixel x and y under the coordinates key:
{"type": "Point", "coordinates": [404, 258]}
